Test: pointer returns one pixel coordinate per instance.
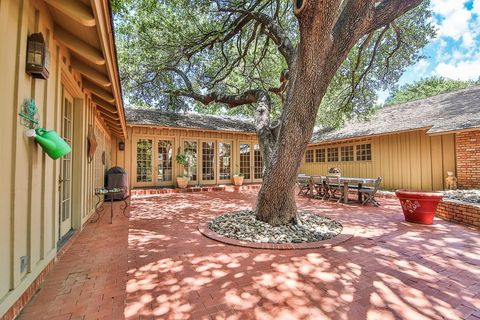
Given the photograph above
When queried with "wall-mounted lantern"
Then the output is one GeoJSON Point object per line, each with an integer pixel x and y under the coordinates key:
{"type": "Point", "coordinates": [38, 57]}
{"type": "Point", "coordinates": [121, 145]}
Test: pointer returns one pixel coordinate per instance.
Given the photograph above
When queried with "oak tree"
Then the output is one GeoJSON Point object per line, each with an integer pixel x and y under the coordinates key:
{"type": "Point", "coordinates": [281, 57]}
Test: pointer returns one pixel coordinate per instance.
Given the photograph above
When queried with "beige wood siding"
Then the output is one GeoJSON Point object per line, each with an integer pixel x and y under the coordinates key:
{"type": "Point", "coordinates": [411, 160]}
{"type": "Point", "coordinates": [127, 158]}
{"type": "Point", "coordinates": [30, 179]}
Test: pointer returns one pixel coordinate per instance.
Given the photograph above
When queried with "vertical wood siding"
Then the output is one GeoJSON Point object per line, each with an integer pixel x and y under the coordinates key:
{"type": "Point", "coordinates": [410, 160]}
{"type": "Point", "coordinates": [29, 179]}
{"type": "Point", "coordinates": [127, 158]}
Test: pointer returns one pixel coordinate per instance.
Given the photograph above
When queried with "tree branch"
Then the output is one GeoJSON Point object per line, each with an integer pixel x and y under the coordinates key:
{"type": "Point", "coordinates": [275, 31]}
{"type": "Point", "coordinates": [389, 10]}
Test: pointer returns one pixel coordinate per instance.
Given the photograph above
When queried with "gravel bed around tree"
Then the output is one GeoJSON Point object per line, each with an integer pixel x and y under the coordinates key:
{"type": "Point", "coordinates": [242, 225]}
{"type": "Point", "coordinates": [472, 196]}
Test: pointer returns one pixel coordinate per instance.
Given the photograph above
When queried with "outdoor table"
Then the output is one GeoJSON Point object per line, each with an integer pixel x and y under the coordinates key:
{"type": "Point", "coordinates": [345, 180]}
{"type": "Point", "coordinates": [359, 181]}
{"type": "Point", "coordinates": [111, 193]}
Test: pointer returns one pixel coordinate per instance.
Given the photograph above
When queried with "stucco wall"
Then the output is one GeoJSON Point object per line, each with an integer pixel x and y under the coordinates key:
{"type": "Point", "coordinates": [468, 159]}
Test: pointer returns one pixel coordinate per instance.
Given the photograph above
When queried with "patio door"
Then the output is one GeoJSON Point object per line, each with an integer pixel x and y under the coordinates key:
{"type": "Point", "coordinates": [251, 162]}
{"type": "Point", "coordinates": [164, 163]}
{"type": "Point", "coordinates": [65, 183]}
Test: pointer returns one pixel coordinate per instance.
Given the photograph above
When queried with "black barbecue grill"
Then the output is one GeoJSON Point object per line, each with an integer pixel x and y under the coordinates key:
{"type": "Point", "coordinates": [116, 177]}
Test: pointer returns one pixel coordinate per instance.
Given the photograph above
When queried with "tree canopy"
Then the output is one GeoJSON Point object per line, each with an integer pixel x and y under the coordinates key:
{"type": "Point", "coordinates": [425, 88]}
{"type": "Point", "coordinates": [279, 61]}
{"type": "Point", "coordinates": [155, 36]}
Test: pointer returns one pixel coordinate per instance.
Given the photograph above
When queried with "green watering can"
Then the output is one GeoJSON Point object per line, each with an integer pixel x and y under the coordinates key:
{"type": "Point", "coordinates": [52, 143]}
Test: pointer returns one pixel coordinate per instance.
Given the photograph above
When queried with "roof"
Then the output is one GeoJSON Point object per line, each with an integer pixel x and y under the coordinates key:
{"type": "Point", "coordinates": [154, 117]}
{"type": "Point", "coordinates": [453, 111]}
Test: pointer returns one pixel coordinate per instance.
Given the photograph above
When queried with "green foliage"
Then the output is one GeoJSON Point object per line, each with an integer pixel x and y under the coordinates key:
{"type": "Point", "coordinates": [427, 87]}
{"type": "Point", "coordinates": [152, 35]}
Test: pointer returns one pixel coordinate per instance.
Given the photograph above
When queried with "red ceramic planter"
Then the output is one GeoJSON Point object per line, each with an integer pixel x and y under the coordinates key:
{"type": "Point", "coordinates": [418, 206]}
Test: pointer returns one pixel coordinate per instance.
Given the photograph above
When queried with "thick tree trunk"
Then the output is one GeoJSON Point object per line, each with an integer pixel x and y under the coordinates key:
{"type": "Point", "coordinates": [310, 76]}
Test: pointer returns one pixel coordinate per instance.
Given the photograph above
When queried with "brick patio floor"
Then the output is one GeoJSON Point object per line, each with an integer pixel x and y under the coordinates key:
{"type": "Point", "coordinates": [156, 265]}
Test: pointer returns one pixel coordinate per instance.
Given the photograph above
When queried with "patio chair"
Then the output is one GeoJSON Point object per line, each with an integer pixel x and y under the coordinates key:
{"type": "Point", "coordinates": [320, 187]}
{"type": "Point", "coordinates": [334, 187]}
{"type": "Point", "coordinates": [303, 183]}
{"type": "Point", "coordinates": [369, 193]}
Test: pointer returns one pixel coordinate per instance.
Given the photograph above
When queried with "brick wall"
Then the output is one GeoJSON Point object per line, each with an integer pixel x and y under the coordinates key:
{"type": "Point", "coordinates": [460, 212]}
{"type": "Point", "coordinates": [468, 159]}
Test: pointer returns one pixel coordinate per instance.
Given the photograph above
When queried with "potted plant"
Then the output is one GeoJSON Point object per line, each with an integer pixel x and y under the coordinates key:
{"type": "Point", "coordinates": [238, 178]}
{"type": "Point", "coordinates": [183, 159]}
{"type": "Point", "coordinates": [334, 171]}
{"type": "Point", "coordinates": [418, 206]}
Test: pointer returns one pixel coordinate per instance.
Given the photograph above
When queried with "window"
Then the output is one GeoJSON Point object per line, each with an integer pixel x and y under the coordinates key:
{"type": "Point", "coordinates": [190, 147]}
{"type": "Point", "coordinates": [320, 155]}
{"type": "Point", "coordinates": [208, 156]}
{"type": "Point", "coordinates": [332, 154]}
{"type": "Point", "coordinates": [346, 153]}
{"type": "Point", "coordinates": [364, 152]}
{"type": "Point", "coordinates": [245, 160]}
{"type": "Point", "coordinates": [257, 162]}
{"type": "Point", "coordinates": [144, 160]}
{"type": "Point", "coordinates": [164, 163]}
{"type": "Point", "coordinates": [224, 158]}
{"type": "Point", "coordinates": [309, 156]}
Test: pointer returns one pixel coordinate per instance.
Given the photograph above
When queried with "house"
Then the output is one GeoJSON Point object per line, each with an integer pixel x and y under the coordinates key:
{"type": "Point", "coordinates": [411, 145]}
{"type": "Point", "coordinates": [72, 77]}
{"type": "Point", "coordinates": [221, 146]}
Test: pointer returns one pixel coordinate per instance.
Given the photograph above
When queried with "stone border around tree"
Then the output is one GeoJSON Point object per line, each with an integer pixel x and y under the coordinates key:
{"type": "Point", "coordinates": [346, 234]}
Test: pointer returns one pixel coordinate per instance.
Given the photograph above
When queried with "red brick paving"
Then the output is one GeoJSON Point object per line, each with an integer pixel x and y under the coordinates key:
{"type": "Point", "coordinates": [166, 269]}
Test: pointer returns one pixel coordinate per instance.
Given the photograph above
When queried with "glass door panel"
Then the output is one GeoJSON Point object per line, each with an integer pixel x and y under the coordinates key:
{"type": "Point", "coordinates": [245, 162]}
{"type": "Point", "coordinates": [190, 147]}
{"type": "Point", "coordinates": [164, 161]}
{"type": "Point", "coordinates": [257, 163]}
{"type": "Point", "coordinates": [208, 161]}
{"type": "Point", "coordinates": [144, 160]}
{"type": "Point", "coordinates": [225, 160]}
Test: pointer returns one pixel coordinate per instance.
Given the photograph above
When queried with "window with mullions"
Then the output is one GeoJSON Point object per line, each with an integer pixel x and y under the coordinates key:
{"type": "Point", "coordinates": [320, 155]}
{"type": "Point", "coordinates": [257, 162]}
{"type": "Point", "coordinates": [245, 160]}
{"type": "Point", "coordinates": [144, 160]}
{"type": "Point", "coordinates": [364, 152]}
{"type": "Point", "coordinates": [190, 147]}
{"type": "Point", "coordinates": [224, 159]}
{"type": "Point", "coordinates": [164, 161]}
{"type": "Point", "coordinates": [208, 163]}
{"type": "Point", "coordinates": [346, 153]}
{"type": "Point", "coordinates": [309, 156]}
{"type": "Point", "coordinates": [332, 154]}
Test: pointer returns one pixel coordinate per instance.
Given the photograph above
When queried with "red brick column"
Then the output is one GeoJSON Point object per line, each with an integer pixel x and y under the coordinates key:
{"type": "Point", "coordinates": [468, 159]}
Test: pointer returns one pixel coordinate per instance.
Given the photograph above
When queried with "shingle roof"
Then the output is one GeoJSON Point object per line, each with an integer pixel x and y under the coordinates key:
{"type": "Point", "coordinates": [187, 120]}
{"type": "Point", "coordinates": [446, 112]}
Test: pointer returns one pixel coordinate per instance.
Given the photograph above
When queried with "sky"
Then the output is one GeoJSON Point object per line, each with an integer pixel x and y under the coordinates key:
{"type": "Point", "coordinates": [455, 52]}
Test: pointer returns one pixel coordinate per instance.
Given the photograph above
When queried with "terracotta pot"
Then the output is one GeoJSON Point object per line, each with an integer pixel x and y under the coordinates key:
{"type": "Point", "coordinates": [238, 180]}
{"type": "Point", "coordinates": [182, 182]}
{"type": "Point", "coordinates": [418, 206]}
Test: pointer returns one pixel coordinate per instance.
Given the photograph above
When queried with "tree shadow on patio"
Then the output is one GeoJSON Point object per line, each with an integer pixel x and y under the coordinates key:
{"type": "Point", "coordinates": [389, 270]}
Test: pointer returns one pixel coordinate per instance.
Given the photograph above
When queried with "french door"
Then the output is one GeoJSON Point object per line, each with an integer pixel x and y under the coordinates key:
{"type": "Point", "coordinates": [65, 185]}
{"type": "Point", "coordinates": [155, 161]}
{"type": "Point", "coordinates": [250, 162]}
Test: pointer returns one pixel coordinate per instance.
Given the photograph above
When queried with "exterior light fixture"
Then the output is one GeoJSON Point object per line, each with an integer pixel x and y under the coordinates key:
{"type": "Point", "coordinates": [121, 145]}
{"type": "Point", "coordinates": [38, 57]}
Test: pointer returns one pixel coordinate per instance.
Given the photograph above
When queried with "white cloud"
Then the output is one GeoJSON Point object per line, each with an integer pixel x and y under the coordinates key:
{"type": "Point", "coordinates": [476, 7]}
{"type": "Point", "coordinates": [462, 70]}
{"type": "Point", "coordinates": [421, 67]}
{"type": "Point", "coordinates": [455, 18]}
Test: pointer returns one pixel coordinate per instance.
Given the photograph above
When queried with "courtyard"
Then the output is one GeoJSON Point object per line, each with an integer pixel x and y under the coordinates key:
{"type": "Point", "coordinates": [157, 265]}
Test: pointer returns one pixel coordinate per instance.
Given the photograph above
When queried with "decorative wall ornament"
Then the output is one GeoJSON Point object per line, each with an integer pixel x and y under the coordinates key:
{"type": "Point", "coordinates": [451, 181]}
{"type": "Point", "coordinates": [92, 143]}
